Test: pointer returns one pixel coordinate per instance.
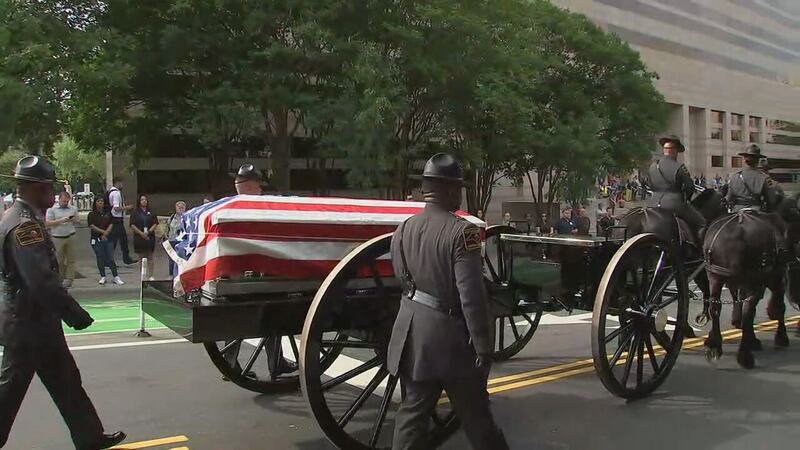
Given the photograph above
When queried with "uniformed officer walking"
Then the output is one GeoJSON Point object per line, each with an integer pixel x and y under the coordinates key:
{"type": "Point", "coordinates": [672, 185]}
{"type": "Point", "coordinates": [443, 335]}
{"type": "Point", "coordinates": [32, 306]}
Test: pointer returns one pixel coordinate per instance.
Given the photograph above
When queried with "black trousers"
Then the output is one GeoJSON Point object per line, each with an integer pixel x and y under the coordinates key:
{"type": "Point", "coordinates": [470, 402]}
{"type": "Point", "coordinates": [56, 368]}
{"type": "Point", "coordinates": [119, 235]}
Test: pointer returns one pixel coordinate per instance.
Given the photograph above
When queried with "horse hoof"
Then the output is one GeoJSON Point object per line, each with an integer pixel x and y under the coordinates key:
{"type": "Point", "coordinates": [781, 340]}
{"type": "Point", "coordinates": [746, 360]}
{"type": "Point", "coordinates": [713, 354]}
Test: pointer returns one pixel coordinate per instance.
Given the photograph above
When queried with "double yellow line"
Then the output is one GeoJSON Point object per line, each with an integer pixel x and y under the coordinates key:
{"type": "Point", "coordinates": [553, 373]}
{"type": "Point", "coordinates": [155, 443]}
{"type": "Point", "coordinates": [561, 371]}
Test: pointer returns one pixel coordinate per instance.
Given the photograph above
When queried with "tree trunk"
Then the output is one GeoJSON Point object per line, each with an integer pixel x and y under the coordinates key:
{"type": "Point", "coordinates": [220, 181]}
{"type": "Point", "coordinates": [279, 137]}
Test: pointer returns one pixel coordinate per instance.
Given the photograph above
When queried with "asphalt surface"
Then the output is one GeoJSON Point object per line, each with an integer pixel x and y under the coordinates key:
{"type": "Point", "coordinates": [166, 395]}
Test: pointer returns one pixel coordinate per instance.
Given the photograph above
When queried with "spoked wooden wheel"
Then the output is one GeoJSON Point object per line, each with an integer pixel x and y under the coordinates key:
{"type": "Point", "coordinates": [354, 400]}
{"type": "Point", "coordinates": [250, 363]}
{"type": "Point", "coordinates": [515, 324]}
{"type": "Point", "coordinates": [639, 317]}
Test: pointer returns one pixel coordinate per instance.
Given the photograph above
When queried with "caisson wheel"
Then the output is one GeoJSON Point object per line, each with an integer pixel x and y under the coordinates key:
{"type": "Point", "coordinates": [515, 323]}
{"type": "Point", "coordinates": [245, 362]}
{"type": "Point", "coordinates": [639, 317]}
{"type": "Point", "coordinates": [355, 399]}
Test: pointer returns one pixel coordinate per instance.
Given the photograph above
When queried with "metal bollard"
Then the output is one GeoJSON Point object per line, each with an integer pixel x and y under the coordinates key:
{"type": "Point", "coordinates": [142, 332]}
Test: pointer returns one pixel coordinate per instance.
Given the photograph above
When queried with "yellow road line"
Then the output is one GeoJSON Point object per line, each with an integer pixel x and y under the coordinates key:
{"type": "Point", "coordinates": [548, 374]}
{"type": "Point", "coordinates": [180, 448]}
{"type": "Point", "coordinates": [544, 371]}
{"type": "Point", "coordinates": [152, 443]}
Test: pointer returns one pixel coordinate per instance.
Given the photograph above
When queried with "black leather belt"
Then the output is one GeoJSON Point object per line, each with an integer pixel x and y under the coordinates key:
{"type": "Point", "coordinates": [64, 237]}
{"type": "Point", "coordinates": [432, 302]}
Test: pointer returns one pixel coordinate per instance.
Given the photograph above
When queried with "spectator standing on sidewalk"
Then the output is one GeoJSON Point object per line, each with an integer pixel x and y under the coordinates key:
{"type": "Point", "coordinates": [60, 219]}
{"type": "Point", "coordinates": [173, 229]}
{"type": "Point", "coordinates": [116, 205]}
{"type": "Point", "coordinates": [143, 224]}
{"type": "Point", "coordinates": [100, 227]}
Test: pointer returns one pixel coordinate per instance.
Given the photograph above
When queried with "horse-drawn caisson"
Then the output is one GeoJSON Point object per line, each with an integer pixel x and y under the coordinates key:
{"type": "Point", "coordinates": [314, 271]}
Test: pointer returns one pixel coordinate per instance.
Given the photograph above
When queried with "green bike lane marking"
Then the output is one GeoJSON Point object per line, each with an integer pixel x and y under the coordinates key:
{"type": "Point", "coordinates": [113, 315]}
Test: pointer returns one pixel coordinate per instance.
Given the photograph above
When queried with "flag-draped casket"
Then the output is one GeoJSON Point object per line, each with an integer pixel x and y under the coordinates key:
{"type": "Point", "coordinates": [294, 237]}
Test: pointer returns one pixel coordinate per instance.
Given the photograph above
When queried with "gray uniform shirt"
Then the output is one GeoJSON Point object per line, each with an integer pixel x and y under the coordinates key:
{"type": "Point", "coordinates": [670, 182]}
{"type": "Point", "coordinates": [444, 259]}
{"type": "Point", "coordinates": [751, 188]}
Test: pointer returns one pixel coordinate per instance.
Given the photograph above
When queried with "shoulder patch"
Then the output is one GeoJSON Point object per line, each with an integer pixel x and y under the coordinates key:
{"type": "Point", "coordinates": [29, 233]}
{"type": "Point", "coordinates": [472, 238]}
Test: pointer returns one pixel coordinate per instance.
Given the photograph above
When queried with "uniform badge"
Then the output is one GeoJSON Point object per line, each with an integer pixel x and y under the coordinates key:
{"type": "Point", "coordinates": [29, 234]}
{"type": "Point", "coordinates": [472, 238]}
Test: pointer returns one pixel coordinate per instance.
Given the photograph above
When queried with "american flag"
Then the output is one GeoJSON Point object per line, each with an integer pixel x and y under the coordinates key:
{"type": "Point", "coordinates": [293, 237]}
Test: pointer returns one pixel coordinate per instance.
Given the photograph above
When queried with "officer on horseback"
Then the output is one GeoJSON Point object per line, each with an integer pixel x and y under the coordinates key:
{"type": "Point", "coordinates": [672, 185]}
{"type": "Point", "coordinates": [752, 188]}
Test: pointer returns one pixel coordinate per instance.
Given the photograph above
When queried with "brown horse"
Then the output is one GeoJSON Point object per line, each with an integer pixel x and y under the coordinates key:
{"type": "Point", "coordinates": [664, 225]}
{"type": "Point", "coordinates": [741, 251]}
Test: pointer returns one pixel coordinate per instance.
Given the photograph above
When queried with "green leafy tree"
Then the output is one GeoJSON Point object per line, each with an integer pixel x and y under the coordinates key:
{"type": "Point", "coordinates": [76, 164]}
{"type": "Point", "coordinates": [596, 106]}
{"type": "Point", "coordinates": [40, 43]}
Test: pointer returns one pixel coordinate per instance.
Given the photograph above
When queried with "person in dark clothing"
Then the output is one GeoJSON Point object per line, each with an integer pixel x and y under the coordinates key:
{"type": "Point", "coordinates": [582, 223]}
{"type": "Point", "coordinates": [100, 227]}
{"type": "Point", "coordinates": [605, 222]}
{"type": "Point", "coordinates": [32, 305]}
{"type": "Point", "coordinates": [143, 224]}
{"type": "Point", "coordinates": [443, 336]}
{"type": "Point", "coordinates": [116, 205]}
{"type": "Point", "coordinates": [564, 225]}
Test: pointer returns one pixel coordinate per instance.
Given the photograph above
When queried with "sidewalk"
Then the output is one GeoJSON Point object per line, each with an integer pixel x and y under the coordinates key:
{"type": "Point", "coordinates": [85, 286]}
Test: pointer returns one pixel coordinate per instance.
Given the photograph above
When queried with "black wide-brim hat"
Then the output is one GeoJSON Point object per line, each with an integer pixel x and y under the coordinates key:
{"type": "Point", "coordinates": [675, 140]}
{"type": "Point", "coordinates": [33, 169]}
{"type": "Point", "coordinates": [442, 167]}
{"type": "Point", "coordinates": [752, 151]}
{"type": "Point", "coordinates": [248, 172]}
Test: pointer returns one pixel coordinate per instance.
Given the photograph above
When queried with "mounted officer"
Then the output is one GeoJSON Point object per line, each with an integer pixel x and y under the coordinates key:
{"type": "Point", "coordinates": [672, 185]}
{"type": "Point", "coordinates": [443, 336]}
{"type": "Point", "coordinates": [32, 305]}
{"type": "Point", "coordinates": [752, 188]}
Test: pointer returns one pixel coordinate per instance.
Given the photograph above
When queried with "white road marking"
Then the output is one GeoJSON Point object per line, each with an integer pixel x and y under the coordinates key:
{"type": "Point", "coordinates": [128, 344]}
{"type": "Point", "coordinates": [127, 330]}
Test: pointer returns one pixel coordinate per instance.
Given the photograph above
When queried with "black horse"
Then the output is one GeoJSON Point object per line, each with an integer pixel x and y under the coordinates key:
{"type": "Point", "coordinates": [741, 252]}
{"type": "Point", "coordinates": [665, 225]}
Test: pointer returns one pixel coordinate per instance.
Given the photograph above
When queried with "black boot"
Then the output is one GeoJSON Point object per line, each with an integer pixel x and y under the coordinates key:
{"type": "Point", "coordinates": [106, 441]}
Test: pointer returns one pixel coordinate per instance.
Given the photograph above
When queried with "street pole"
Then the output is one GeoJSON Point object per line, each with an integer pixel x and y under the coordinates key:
{"type": "Point", "coordinates": [142, 332]}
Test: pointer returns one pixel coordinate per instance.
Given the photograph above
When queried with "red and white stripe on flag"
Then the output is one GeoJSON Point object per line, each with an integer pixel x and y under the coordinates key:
{"type": "Point", "coordinates": [294, 237]}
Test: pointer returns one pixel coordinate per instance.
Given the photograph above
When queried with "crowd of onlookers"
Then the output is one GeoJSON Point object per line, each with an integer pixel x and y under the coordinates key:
{"type": "Point", "coordinates": [109, 221]}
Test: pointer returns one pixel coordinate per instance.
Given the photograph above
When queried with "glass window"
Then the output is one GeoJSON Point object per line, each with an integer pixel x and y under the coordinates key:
{"type": "Point", "coordinates": [736, 161]}
{"type": "Point", "coordinates": [737, 119]}
{"type": "Point", "coordinates": [716, 161]}
{"type": "Point", "coordinates": [716, 116]}
{"type": "Point", "coordinates": [755, 137]}
{"type": "Point", "coordinates": [736, 135]}
{"type": "Point", "coordinates": [754, 121]}
{"type": "Point", "coordinates": [716, 133]}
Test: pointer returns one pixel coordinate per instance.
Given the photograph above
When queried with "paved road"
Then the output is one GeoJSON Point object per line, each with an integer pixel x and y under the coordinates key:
{"type": "Point", "coordinates": [166, 394]}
